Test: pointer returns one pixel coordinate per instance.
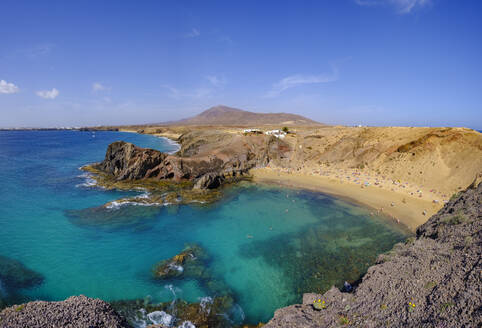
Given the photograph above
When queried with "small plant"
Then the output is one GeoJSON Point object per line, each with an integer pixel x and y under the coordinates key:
{"type": "Point", "coordinates": [456, 219]}
{"type": "Point", "coordinates": [319, 304]}
{"type": "Point", "coordinates": [430, 285]}
{"type": "Point", "coordinates": [383, 307]}
{"type": "Point", "coordinates": [468, 240]}
{"type": "Point", "coordinates": [19, 308]}
{"type": "Point", "coordinates": [445, 306]}
{"type": "Point", "coordinates": [285, 129]}
{"type": "Point", "coordinates": [410, 241]}
{"type": "Point", "coordinates": [455, 195]}
{"type": "Point", "coordinates": [411, 306]}
{"type": "Point", "coordinates": [344, 321]}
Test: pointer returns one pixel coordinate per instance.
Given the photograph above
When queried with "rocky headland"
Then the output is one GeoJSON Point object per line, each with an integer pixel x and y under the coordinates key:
{"type": "Point", "coordinates": [206, 161]}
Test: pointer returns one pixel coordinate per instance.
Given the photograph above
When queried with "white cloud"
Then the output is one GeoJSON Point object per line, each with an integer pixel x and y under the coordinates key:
{"type": "Point", "coordinates": [300, 79]}
{"type": "Point", "coordinates": [203, 90]}
{"type": "Point", "coordinates": [8, 88]}
{"type": "Point", "coordinates": [97, 86]}
{"type": "Point", "coordinates": [402, 6]}
{"type": "Point", "coordinates": [48, 94]}
{"type": "Point", "coordinates": [193, 34]}
{"type": "Point", "coordinates": [216, 81]}
{"type": "Point", "coordinates": [196, 93]}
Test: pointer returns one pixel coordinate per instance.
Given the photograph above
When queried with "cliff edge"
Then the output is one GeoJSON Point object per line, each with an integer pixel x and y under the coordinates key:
{"type": "Point", "coordinates": [431, 280]}
{"type": "Point", "coordinates": [76, 311]}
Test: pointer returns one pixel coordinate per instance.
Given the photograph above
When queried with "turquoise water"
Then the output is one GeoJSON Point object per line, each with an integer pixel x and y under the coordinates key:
{"type": "Point", "coordinates": [267, 245]}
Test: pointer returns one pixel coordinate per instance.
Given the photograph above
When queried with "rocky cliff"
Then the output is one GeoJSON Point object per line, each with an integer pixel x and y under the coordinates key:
{"type": "Point", "coordinates": [207, 168]}
{"type": "Point", "coordinates": [431, 280]}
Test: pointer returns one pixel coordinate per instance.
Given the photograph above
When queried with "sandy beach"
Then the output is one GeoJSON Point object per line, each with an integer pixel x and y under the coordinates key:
{"type": "Point", "coordinates": [402, 204]}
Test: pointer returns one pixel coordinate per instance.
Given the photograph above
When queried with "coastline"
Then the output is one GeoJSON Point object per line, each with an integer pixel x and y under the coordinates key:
{"type": "Point", "coordinates": [171, 139]}
{"type": "Point", "coordinates": [406, 209]}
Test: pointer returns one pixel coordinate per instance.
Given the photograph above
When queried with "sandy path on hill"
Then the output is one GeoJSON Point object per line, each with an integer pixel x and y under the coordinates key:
{"type": "Point", "coordinates": [407, 209]}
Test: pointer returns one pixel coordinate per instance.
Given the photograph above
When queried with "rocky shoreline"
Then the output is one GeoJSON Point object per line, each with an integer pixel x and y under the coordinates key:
{"type": "Point", "coordinates": [190, 175]}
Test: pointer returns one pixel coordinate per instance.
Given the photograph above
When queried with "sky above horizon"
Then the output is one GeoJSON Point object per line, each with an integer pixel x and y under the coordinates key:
{"type": "Point", "coordinates": [369, 62]}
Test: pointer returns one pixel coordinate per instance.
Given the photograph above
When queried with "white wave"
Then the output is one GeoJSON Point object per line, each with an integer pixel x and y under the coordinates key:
{"type": "Point", "coordinates": [89, 181]}
{"type": "Point", "coordinates": [140, 321]}
{"type": "Point", "coordinates": [206, 303]}
{"type": "Point", "coordinates": [160, 318]}
{"type": "Point", "coordinates": [145, 195]}
{"type": "Point", "coordinates": [114, 205]}
{"type": "Point", "coordinates": [186, 324]}
{"type": "Point", "coordinates": [172, 143]}
{"type": "Point", "coordinates": [176, 267]}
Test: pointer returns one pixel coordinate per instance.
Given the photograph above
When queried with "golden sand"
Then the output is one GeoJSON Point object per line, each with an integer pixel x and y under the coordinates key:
{"type": "Point", "coordinates": [385, 197]}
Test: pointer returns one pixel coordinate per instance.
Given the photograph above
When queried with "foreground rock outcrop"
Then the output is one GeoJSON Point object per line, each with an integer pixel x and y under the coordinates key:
{"type": "Point", "coordinates": [74, 312]}
{"type": "Point", "coordinates": [433, 280]}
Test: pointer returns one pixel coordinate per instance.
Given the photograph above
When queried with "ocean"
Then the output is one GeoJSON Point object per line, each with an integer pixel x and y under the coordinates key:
{"type": "Point", "coordinates": [266, 245]}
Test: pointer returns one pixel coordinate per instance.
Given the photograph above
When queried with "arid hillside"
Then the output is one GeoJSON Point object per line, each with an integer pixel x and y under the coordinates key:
{"type": "Point", "coordinates": [444, 159]}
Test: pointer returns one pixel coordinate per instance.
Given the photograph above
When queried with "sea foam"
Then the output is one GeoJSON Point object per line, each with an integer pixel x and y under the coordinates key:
{"type": "Point", "coordinates": [160, 318]}
{"type": "Point", "coordinates": [172, 143]}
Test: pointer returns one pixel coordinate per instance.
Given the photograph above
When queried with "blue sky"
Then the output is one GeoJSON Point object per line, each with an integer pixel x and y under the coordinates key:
{"type": "Point", "coordinates": [371, 62]}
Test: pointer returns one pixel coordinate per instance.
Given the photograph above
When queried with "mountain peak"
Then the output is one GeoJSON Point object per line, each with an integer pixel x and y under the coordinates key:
{"type": "Point", "coordinates": [225, 115]}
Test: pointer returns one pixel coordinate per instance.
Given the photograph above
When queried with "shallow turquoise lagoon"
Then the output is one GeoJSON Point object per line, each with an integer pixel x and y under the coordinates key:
{"type": "Point", "coordinates": [267, 245]}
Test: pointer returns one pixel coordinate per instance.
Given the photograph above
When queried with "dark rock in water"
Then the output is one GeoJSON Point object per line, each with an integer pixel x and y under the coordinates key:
{"type": "Point", "coordinates": [433, 280]}
{"type": "Point", "coordinates": [76, 311]}
{"type": "Point", "coordinates": [113, 218]}
{"type": "Point", "coordinates": [209, 312]}
{"type": "Point", "coordinates": [187, 263]}
{"type": "Point", "coordinates": [192, 263]}
{"type": "Point", "coordinates": [13, 275]}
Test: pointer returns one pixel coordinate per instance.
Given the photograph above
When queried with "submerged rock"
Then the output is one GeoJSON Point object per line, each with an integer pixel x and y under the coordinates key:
{"type": "Point", "coordinates": [76, 311]}
{"type": "Point", "coordinates": [187, 263]}
{"type": "Point", "coordinates": [113, 217]}
{"type": "Point", "coordinates": [14, 275]}
{"type": "Point", "coordinates": [432, 280]}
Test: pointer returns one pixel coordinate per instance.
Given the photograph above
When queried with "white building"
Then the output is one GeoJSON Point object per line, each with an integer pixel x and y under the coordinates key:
{"type": "Point", "coordinates": [277, 133]}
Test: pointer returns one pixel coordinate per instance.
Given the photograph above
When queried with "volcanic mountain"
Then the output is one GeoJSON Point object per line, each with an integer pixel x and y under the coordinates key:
{"type": "Point", "coordinates": [223, 115]}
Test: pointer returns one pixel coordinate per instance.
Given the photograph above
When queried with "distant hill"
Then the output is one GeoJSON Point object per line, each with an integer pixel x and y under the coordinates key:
{"type": "Point", "coordinates": [223, 115]}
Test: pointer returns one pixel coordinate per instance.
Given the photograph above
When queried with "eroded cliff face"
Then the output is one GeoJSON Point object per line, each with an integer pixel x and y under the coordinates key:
{"type": "Point", "coordinates": [433, 280]}
{"type": "Point", "coordinates": [208, 167]}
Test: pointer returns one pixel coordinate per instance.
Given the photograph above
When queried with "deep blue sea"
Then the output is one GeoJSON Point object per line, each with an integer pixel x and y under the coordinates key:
{"type": "Point", "coordinates": [268, 245]}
